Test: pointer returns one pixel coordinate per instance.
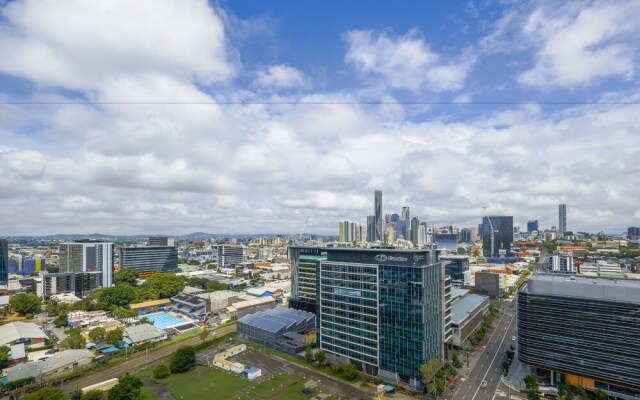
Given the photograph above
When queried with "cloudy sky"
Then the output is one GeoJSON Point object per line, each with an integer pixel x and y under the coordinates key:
{"type": "Point", "coordinates": [163, 116]}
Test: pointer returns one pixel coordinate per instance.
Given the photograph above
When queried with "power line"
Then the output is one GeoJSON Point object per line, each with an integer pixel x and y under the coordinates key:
{"type": "Point", "coordinates": [302, 103]}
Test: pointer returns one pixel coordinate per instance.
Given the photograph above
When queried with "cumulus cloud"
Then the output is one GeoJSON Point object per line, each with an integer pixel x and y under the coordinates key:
{"type": "Point", "coordinates": [80, 45]}
{"type": "Point", "coordinates": [281, 76]}
{"type": "Point", "coordinates": [583, 44]}
{"type": "Point", "coordinates": [406, 61]}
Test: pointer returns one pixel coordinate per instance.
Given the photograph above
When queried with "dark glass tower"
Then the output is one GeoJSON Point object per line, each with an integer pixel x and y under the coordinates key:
{"type": "Point", "coordinates": [497, 236]}
{"type": "Point", "coordinates": [4, 261]}
{"type": "Point", "coordinates": [562, 219]}
{"type": "Point", "coordinates": [377, 214]}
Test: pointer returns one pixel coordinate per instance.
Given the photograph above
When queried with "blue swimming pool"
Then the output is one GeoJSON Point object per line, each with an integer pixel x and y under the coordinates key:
{"type": "Point", "coordinates": [162, 320]}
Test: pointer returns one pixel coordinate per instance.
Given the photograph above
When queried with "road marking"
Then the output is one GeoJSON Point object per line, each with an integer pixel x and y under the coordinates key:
{"type": "Point", "coordinates": [487, 371]}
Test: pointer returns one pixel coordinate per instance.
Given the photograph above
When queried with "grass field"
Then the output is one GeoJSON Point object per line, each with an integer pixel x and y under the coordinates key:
{"type": "Point", "coordinates": [226, 385]}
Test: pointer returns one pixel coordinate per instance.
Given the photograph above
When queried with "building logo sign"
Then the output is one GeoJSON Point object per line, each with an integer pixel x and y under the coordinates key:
{"type": "Point", "coordinates": [383, 257]}
{"type": "Point", "coordinates": [348, 292]}
{"type": "Point", "coordinates": [418, 257]}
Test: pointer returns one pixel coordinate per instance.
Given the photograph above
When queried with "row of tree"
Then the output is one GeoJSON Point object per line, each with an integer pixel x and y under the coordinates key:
{"type": "Point", "coordinates": [128, 388]}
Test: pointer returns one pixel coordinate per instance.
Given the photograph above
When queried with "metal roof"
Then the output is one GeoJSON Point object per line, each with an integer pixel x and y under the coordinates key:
{"type": "Point", "coordinates": [20, 330]}
{"type": "Point", "coordinates": [142, 333]}
{"type": "Point", "coordinates": [58, 360]}
{"type": "Point", "coordinates": [597, 288]}
{"type": "Point", "coordinates": [466, 306]}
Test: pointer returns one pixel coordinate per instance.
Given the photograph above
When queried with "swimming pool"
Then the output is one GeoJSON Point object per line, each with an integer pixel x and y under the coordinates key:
{"type": "Point", "coordinates": [162, 320]}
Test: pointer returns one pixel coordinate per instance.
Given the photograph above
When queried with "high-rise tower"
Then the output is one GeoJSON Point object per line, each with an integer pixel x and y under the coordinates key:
{"type": "Point", "coordinates": [377, 214]}
{"type": "Point", "coordinates": [562, 216]}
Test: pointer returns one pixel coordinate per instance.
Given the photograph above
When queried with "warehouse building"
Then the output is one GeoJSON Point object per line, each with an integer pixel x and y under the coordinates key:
{"type": "Point", "coordinates": [273, 328]}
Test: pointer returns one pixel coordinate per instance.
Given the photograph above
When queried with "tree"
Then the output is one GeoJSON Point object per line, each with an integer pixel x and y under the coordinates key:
{"type": "Point", "coordinates": [127, 388]}
{"type": "Point", "coordinates": [581, 392]}
{"type": "Point", "coordinates": [26, 303]}
{"type": "Point", "coordinates": [122, 312]}
{"type": "Point", "coordinates": [97, 335]}
{"type": "Point", "coordinates": [126, 276]}
{"type": "Point", "coordinates": [600, 394]}
{"type": "Point", "coordinates": [4, 356]}
{"type": "Point", "coordinates": [165, 284]}
{"type": "Point", "coordinates": [52, 269]}
{"type": "Point", "coordinates": [46, 393]}
{"type": "Point", "coordinates": [114, 336]}
{"type": "Point", "coordinates": [456, 360]}
{"type": "Point", "coordinates": [429, 372]}
{"type": "Point", "coordinates": [51, 308]}
{"type": "Point", "coordinates": [94, 395]}
{"type": "Point", "coordinates": [115, 296]}
{"type": "Point", "coordinates": [460, 250]}
{"type": "Point", "coordinates": [308, 354]}
{"type": "Point", "coordinates": [75, 395]}
{"type": "Point", "coordinates": [532, 385]}
{"type": "Point", "coordinates": [73, 342]}
{"type": "Point", "coordinates": [161, 371]}
{"type": "Point", "coordinates": [204, 334]}
{"type": "Point", "coordinates": [349, 371]}
{"type": "Point", "coordinates": [320, 357]}
{"type": "Point", "coordinates": [183, 359]}
{"type": "Point", "coordinates": [61, 320]}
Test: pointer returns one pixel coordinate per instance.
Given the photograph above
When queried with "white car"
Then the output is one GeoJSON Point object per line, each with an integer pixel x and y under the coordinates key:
{"type": "Point", "coordinates": [483, 384]}
{"type": "Point", "coordinates": [513, 338]}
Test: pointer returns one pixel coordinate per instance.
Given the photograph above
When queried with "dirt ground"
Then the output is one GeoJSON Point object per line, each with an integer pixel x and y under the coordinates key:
{"type": "Point", "coordinates": [159, 391]}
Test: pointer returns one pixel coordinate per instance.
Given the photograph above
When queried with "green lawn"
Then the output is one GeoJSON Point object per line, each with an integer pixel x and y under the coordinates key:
{"type": "Point", "coordinates": [226, 385]}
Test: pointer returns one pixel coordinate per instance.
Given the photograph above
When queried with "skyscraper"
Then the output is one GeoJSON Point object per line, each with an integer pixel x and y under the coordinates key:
{"type": "Point", "coordinates": [4, 261]}
{"type": "Point", "coordinates": [497, 236]}
{"type": "Point", "coordinates": [86, 257]}
{"type": "Point", "coordinates": [562, 216]}
{"type": "Point", "coordinates": [371, 228]}
{"type": "Point", "coordinates": [377, 213]}
{"type": "Point", "coordinates": [532, 226]}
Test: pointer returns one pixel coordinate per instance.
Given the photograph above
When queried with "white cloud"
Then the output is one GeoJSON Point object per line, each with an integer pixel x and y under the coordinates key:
{"type": "Point", "coordinates": [281, 76]}
{"type": "Point", "coordinates": [405, 61]}
{"type": "Point", "coordinates": [81, 44]}
{"type": "Point", "coordinates": [578, 45]}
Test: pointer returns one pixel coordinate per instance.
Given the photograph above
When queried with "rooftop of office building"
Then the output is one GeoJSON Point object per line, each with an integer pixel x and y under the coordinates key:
{"type": "Point", "coordinates": [597, 288]}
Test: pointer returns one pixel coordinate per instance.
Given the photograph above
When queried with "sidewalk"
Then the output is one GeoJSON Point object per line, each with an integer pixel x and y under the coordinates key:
{"type": "Point", "coordinates": [517, 372]}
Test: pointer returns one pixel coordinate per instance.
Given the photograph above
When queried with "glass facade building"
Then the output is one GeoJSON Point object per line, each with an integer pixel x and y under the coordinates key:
{"type": "Point", "coordinates": [457, 267]}
{"type": "Point", "coordinates": [149, 259]}
{"type": "Point", "coordinates": [497, 236]}
{"type": "Point", "coordinates": [582, 330]}
{"type": "Point", "coordinates": [385, 311]}
{"type": "Point", "coordinates": [4, 261]}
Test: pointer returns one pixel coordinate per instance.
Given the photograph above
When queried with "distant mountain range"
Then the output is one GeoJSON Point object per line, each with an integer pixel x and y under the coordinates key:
{"type": "Point", "coordinates": [140, 238]}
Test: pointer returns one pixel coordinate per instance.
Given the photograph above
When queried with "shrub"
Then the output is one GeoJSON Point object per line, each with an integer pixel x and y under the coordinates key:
{"type": "Point", "coordinates": [161, 371]}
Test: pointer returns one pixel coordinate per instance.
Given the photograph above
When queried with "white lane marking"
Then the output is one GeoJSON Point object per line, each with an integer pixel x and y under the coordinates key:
{"type": "Point", "coordinates": [485, 374]}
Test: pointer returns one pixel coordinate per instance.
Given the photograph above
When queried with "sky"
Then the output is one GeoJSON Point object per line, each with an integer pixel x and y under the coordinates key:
{"type": "Point", "coordinates": [162, 116]}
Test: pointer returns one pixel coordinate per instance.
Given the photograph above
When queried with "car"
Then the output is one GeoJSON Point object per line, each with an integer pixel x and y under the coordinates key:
{"type": "Point", "coordinates": [513, 338]}
{"type": "Point", "coordinates": [483, 384]}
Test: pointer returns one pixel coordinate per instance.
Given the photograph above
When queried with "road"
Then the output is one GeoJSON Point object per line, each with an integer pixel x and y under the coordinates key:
{"type": "Point", "coordinates": [138, 360]}
{"type": "Point", "coordinates": [489, 367]}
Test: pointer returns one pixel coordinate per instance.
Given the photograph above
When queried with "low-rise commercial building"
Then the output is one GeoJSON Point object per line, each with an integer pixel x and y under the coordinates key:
{"type": "Point", "coordinates": [151, 306]}
{"type": "Point", "coordinates": [26, 333]}
{"type": "Point", "coordinates": [192, 306]}
{"type": "Point", "coordinates": [269, 327]}
{"type": "Point", "coordinates": [59, 363]}
{"type": "Point", "coordinates": [144, 333]}
{"type": "Point", "coordinates": [467, 314]}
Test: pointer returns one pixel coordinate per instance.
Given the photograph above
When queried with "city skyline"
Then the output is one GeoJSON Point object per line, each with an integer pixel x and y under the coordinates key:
{"type": "Point", "coordinates": [249, 117]}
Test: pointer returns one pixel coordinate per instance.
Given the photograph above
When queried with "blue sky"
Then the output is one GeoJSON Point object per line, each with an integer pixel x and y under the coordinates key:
{"type": "Point", "coordinates": [338, 99]}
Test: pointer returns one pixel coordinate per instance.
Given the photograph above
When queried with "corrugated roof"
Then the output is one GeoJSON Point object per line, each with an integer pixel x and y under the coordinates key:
{"type": "Point", "coordinates": [142, 333]}
{"type": "Point", "coordinates": [20, 330]}
{"type": "Point", "coordinates": [467, 305]}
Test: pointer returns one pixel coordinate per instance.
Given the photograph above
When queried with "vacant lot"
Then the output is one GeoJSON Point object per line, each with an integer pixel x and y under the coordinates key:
{"type": "Point", "coordinates": [205, 382]}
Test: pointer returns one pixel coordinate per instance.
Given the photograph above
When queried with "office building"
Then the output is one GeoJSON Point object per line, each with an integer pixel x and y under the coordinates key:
{"type": "Point", "coordinates": [371, 228]}
{"type": "Point", "coordinates": [497, 236]}
{"type": "Point", "coordinates": [385, 311]}
{"type": "Point", "coordinates": [474, 234]}
{"type": "Point", "coordinates": [161, 241]}
{"type": "Point", "coordinates": [4, 261]}
{"type": "Point", "coordinates": [79, 284]}
{"type": "Point", "coordinates": [149, 259]}
{"type": "Point", "coordinates": [582, 330]}
{"type": "Point", "coordinates": [633, 232]}
{"type": "Point", "coordinates": [467, 314]}
{"type": "Point", "coordinates": [88, 256]}
{"type": "Point", "coordinates": [304, 264]}
{"type": "Point", "coordinates": [229, 255]}
{"type": "Point", "coordinates": [562, 217]}
{"type": "Point", "coordinates": [350, 232]}
{"type": "Point", "coordinates": [464, 236]}
{"type": "Point", "coordinates": [456, 267]}
{"type": "Point", "coordinates": [562, 264]}
{"type": "Point", "coordinates": [488, 284]}
{"type": "Point", "coordinates": [532, 226]}
{"type": "Point", "coordinates": [447, 241]}
{"type": "Point", "coordinates": [377, 213]}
